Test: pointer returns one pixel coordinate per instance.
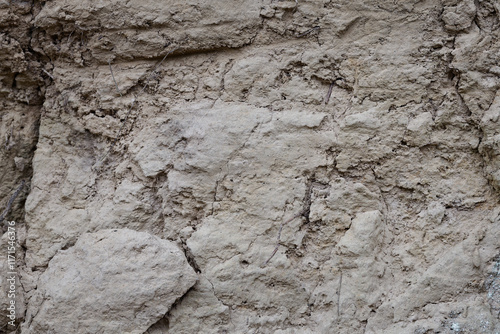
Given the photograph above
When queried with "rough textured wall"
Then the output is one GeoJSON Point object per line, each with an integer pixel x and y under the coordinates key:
{"type": "Point", "coordinates": [323, 166]}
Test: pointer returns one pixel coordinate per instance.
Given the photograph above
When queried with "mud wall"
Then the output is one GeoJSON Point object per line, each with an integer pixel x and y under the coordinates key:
{"type": "Point", "coordinates": [324, 166]}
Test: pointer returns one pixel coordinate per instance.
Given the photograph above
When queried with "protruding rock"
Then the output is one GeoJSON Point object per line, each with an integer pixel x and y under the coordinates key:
{"type": "Point", "coordinates": [112, 281]}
